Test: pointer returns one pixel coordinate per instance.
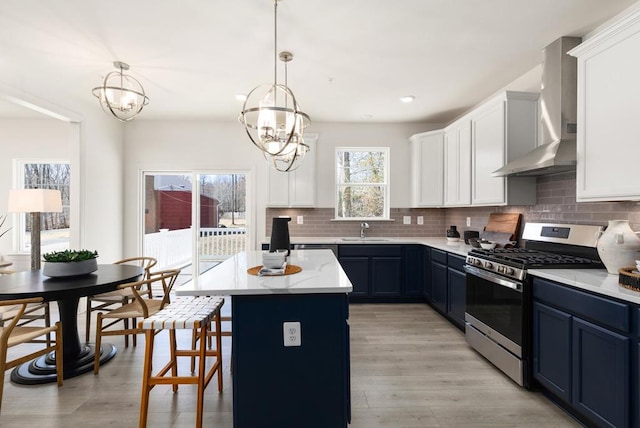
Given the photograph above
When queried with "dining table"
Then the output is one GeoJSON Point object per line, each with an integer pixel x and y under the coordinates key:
{"type": "Point", "coordinates": [78, 357]}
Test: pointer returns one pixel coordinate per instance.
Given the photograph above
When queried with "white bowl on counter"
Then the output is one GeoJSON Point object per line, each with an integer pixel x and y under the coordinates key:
{"type": "Point", "coordinates": [273, 260]}
{"type": "Point", "coordinates": [488, 245]}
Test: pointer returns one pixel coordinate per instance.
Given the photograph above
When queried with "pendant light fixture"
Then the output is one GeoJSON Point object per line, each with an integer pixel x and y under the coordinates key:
{"type": "Point", "coordinates": [120, 94]}
{"type": "Point", "coordinates": [272, 117]}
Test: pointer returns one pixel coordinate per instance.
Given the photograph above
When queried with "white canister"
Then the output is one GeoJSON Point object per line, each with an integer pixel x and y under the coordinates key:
{"type": "Point", "coordinates": [618, 246]}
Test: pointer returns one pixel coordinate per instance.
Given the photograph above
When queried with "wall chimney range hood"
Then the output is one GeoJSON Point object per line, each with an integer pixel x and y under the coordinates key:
{"type": "Point", "coordinates": [556, 151]}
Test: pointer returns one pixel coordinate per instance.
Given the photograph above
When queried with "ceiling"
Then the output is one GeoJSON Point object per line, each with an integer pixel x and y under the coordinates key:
{"type": "Point", "coordinates": [353, 59]}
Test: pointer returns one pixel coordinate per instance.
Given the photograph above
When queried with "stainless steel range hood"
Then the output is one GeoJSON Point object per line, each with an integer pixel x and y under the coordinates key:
{"type": "Point", "coordinates": [556, 151]}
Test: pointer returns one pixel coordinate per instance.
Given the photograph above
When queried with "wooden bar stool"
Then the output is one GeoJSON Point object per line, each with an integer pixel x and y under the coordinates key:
{"type": "Point", "coordinates": [183, 313]}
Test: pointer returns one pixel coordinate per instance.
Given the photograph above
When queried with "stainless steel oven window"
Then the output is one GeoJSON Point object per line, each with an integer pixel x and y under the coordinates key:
{"type": "Point", "coordinates": [497, 305]}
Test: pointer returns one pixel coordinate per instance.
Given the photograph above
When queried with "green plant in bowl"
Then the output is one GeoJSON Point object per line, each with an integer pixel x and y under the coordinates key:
{"type": "Point", "coordinates": [69, 263]}
{"type": "Point", "coordinates": [69, 256]}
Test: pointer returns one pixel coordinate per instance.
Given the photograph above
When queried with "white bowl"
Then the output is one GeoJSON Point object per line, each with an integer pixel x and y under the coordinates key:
{"type": "Point", "coordinates": [488, 245]}
{"type": "Point", "coordinates": [273, 260]}
{"type": "Point", "coordinates": [453, 239]}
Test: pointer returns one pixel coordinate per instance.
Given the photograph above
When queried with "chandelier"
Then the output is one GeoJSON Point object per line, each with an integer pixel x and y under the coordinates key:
{"type": "Point", "coordinates": [120, 94]}
{"type": "Point", "coordinates": [273, 119]}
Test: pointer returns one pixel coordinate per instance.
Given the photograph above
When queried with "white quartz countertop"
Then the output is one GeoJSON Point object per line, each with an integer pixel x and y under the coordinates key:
{"type": "Point", "coordinates": [594, 280]}
{"type": "Point", "coordinates": [321, 273]}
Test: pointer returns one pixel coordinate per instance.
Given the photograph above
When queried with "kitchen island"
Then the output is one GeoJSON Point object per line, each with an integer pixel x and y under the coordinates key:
{"type": "Point", "coordinates": [286, 375]}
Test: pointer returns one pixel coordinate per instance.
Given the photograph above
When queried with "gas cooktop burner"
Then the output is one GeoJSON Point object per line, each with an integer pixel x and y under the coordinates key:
{"type": "Point", "coordinates": [527, 258]}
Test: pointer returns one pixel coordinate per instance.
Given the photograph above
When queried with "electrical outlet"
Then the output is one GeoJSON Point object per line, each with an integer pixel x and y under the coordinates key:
{"type": "Point", "coordinates": [292, 334]}
{"type": "Point", "coordinates": [420, 219]}
{"type": "Point", "coordinates": [468, 221]}
{"type": "Point", "coordinates": [406, 219]}
{"type": "Point", "coordinates": [300, 219]}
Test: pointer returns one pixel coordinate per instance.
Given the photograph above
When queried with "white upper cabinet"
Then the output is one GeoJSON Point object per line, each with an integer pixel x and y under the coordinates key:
{"type": "Point", "coordinates": [503, 129]}
{"type": "Point", "coordinates": [608, 139]}
{"type": "Point", "coordinates": [427, 151]}
{"type": "Point", "coordinates": [457, 164]}
{"type": "Point", "coordinates": [296, 188]}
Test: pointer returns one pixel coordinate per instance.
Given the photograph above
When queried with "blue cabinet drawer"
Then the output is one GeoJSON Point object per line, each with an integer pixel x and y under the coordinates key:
{"type": "Point", "coordinates": [601, 310]}
{"type": "Point", "coordinates": [456, 262]}
{"type": "Point", "coordinates": [439, 256]}
{"type": "Point", "coordinates": [366, 250]}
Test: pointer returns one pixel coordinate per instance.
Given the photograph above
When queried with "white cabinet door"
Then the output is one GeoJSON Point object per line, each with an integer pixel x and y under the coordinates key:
{"type": "Point", "coordinates": [488, 146]}
{"type": "Point", "coordinates": [608, 137]}
{"type": "Point", "coordinates": [296, 188]}
{"type": "Point", "coordinates": [278, 187]}
{"type": "Point", "coordinates": [457, 164]}
{"type": "Point", "coordinates": [427, 169]}
{"type": "Point", "coordinates": [503, 129]}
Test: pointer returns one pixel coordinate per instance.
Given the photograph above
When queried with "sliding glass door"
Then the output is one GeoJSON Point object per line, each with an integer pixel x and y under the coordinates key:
{"type": "Point", "coordinates": [194, 233]}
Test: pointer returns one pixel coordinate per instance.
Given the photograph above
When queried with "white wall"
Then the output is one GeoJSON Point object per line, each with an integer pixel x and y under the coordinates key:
{"type": "Point", "coordinates": [94, 147]}
{"type": "Point", "coordinates": [27, 139]}
{"type": "Point", "coordinates": [394, 136]}
{"type": "Point", "coordinates": [204, 145]}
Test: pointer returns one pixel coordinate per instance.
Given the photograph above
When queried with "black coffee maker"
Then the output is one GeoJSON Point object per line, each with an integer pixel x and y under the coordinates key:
{"type": "Point", "coordinates": [280, 235]}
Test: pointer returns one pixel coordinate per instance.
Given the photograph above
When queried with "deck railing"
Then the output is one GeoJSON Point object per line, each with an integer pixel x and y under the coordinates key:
{"type": "Point", "coordinates": [172, 248]}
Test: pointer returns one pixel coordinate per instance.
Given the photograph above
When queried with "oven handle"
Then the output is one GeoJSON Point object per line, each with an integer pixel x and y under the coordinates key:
{"type": "Point", "coordinates": [493, 278]}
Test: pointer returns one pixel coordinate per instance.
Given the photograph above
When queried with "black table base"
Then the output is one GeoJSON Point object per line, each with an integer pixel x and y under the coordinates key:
{"type": "Point", "coordinates": [43, 369]}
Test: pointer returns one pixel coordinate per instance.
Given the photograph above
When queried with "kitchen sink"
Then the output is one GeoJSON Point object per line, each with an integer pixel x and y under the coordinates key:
{"type": "Point", "coordinates": [358, 239]}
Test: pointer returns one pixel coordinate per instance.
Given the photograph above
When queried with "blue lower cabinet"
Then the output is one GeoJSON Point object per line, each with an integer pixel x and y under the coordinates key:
{"type": "Point", "coordinates": [290, 387]}
{"type": "Point", "coordinates": [601, 374]}
{"type": "Point", "coordinates": [581, 358]}
{"type": "Point", "coordinates": [426, 272]}
{"type": "Point", "coordinates": [383, 273]}
{"type": "Point", "coordinates": [386, 276]}
{"type": "Point", "coordinates": [413, 266]}
{"type": "Point", "coordinates": [552, 350]}
{"type": "Point", "coordinates": [357, 269]}
{"type": "Point", "coordinates": [439, 286]}
{"type": "Point", "coordinates": [457, 297]}
{"type": "Point", "coordinates": [449, 286]}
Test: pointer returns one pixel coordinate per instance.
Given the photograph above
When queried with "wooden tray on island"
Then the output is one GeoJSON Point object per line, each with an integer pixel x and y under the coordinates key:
{"type": "Point", "coordinates": [288, 270]}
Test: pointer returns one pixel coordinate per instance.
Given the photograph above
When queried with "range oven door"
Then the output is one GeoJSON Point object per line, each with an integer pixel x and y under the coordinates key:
{"type": "Point", "coordinates": [494, 321]}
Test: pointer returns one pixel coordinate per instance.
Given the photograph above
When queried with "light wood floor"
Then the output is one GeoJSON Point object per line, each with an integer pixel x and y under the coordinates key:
{"type": "Point", "coordinates": [409, 368]}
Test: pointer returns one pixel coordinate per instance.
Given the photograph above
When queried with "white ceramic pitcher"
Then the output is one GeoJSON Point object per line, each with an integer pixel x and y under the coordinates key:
{"type": "Point", "coordinates": [618, 246]}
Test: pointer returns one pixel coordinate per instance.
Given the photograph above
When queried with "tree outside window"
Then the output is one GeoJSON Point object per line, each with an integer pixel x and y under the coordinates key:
{"type": "Point", "coordinates": [362, 183]}
{"type": "Point", "coordinates": [55, 226]}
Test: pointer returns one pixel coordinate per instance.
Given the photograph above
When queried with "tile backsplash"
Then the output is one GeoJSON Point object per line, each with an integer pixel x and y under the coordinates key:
{"type": "Point", "coordinates": [556, 202]}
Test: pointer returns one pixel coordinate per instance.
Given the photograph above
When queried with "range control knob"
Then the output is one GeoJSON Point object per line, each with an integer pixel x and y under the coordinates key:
{"type": "Point", "coordinates": [501, 269]}
{"type": "Point", "coordinates": [509, 271]}
{"type": "Point", "coordinates": [488, 265]}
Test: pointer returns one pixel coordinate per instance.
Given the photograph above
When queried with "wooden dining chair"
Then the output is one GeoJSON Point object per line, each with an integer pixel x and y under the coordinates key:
{"type": "Point", "coordinates": [32, 313]}
{"type": "Point", "coordinates": [107, 301]}
{"type": "Point", "coordinates": [142, 306]}
{"type": "Point", "coordinates": [12, 334]}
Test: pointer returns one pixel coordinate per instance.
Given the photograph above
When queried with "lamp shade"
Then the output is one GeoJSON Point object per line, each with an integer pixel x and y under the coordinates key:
{"type": "Point", "coordinates": [34, 201]}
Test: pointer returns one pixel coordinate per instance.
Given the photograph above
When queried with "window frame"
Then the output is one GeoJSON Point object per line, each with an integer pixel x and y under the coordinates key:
{"type": "Point", "coordinates": [20, 236]}
{"type": "Point", "coordinates": [386, 186]}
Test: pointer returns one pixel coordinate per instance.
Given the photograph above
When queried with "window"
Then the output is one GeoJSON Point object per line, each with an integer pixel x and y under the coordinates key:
{"type": "Point", "coordinates": [362, 183]}
{"type": "Point", "coordinates": [55, 226]}
{"type": "Point", "coordinates": [193, 218]}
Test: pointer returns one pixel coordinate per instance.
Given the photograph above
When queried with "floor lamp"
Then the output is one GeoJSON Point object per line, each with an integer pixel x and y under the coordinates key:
{"type": "Point", "coordinates": [35, 202]}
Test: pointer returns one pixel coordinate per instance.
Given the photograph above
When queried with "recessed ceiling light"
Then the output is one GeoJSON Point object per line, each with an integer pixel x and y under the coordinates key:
{"type": "Point", "coordinates": [241, 97]}
{"type": "Point", "coordinates": [407, 99]}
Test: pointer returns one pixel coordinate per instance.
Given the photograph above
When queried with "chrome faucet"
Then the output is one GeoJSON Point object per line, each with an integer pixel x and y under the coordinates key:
{"type": "Point", "coordinates": [364, 225]}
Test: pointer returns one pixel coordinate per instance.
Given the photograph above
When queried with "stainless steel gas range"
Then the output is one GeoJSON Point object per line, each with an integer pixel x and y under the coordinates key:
{"type": "Point", "coordinates": [498, 308]}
